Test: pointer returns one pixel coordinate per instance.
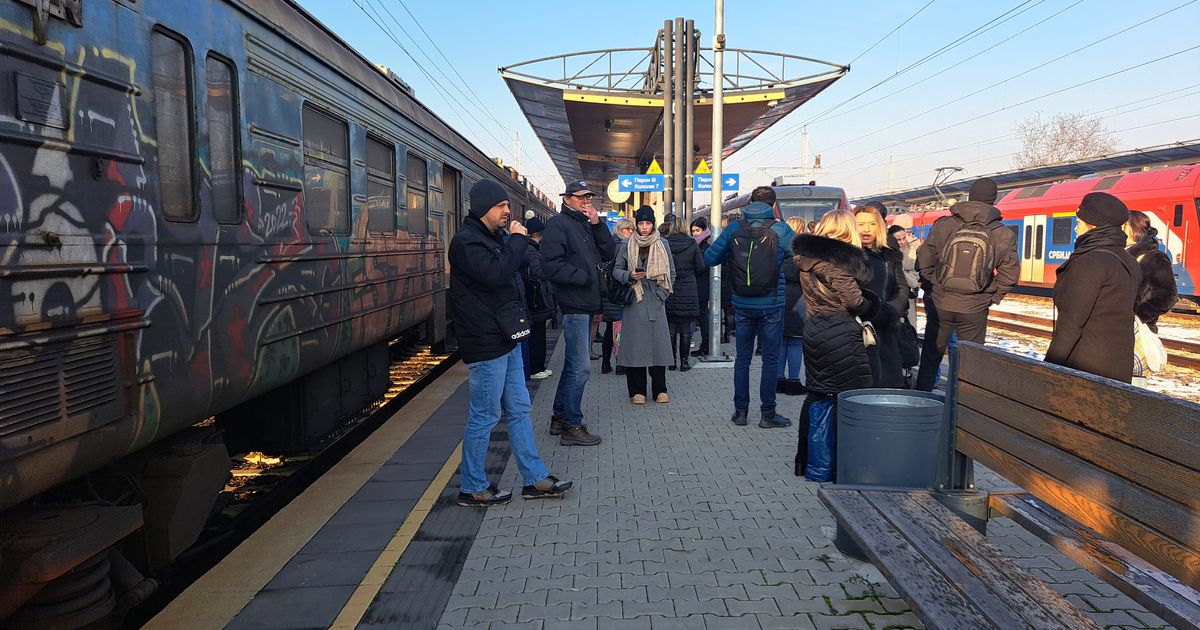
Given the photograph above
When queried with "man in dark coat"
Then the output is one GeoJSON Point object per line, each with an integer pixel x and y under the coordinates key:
{"type": "Point", "coordinates": [489, 320]}
{"type": "Point", "coordinates": [1094, 294]}
{"type": "Point", "coordinates": [574, 247]}
{"type": "Point", "coordinates": [949, 311]}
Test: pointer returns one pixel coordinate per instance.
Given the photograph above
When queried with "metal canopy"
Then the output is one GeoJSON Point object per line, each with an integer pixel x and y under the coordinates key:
{"type": "Point", "coordinates": [1175, 152]}
{"type": "Point", "coordinates": [599, 113]}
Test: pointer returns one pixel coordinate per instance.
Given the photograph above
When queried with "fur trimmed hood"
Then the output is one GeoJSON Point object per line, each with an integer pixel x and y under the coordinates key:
{"type": "Point", "coordinates": [811, 249]}
{"type": "Point", "coordinates": [1146, 244]}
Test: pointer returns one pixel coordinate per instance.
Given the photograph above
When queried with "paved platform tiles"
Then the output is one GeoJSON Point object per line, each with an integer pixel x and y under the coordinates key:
{"type": "Point", "coordinates": [682, 520]}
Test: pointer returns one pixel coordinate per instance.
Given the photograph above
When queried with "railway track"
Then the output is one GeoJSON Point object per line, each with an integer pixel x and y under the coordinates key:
{"type": "Point", "coordinates": [1181, 353]}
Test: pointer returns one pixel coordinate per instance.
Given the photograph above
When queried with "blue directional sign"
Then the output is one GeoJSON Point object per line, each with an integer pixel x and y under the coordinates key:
{"type": "Point", "coordinates": [729, 181]}
{"type": "Point", "coordinates": [640, 183]}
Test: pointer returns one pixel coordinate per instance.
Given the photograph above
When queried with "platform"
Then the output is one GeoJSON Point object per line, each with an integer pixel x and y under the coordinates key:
{"type": "Point", "coordinates": [679, 519]}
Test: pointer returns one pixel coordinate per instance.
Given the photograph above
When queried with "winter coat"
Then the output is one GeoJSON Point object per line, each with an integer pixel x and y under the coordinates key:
{"type": "Point", "coordinates": [1004, 242]}
{"type": "Point", "coordinates": [1094, 295]}
{"type": "Point", "coordinates": [1157, 291]}
{"type": "Point", "coordinates": [755, 214]}
{"type": "Point", "coordinates": [833, 275]}
{"type": "Point", "coordinates": [645, 335]}
{"type": "Point", "coordinates": [612, 310]}
{"type": "Point", "coordinates": [534, 275]}
{"type": "Point", "coordinates": [683, 305]}
{"type": "Point", "coordinates": [794, 313]}
{"type": "Point", "coordinates": [703, 290]}
{"type": "Point", "coordinates": [572, 252]}
{"type": "Point", "coordinates": [483, 277]}
{"type": "Point", "coordinates": [887, 281]}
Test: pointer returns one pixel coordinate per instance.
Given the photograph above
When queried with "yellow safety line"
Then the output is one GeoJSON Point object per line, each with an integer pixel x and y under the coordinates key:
{"type": "Point", "coordinates": [352, 613]}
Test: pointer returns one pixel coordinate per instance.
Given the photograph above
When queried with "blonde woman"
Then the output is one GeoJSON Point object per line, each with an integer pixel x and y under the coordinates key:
{"type": "Point", "coordinates": [833, 275]}
{"type": "Point", "coordinates": [889, 283]}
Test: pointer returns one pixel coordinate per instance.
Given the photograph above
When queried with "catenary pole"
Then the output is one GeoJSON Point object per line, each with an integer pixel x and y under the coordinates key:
{"type": "Point", "coordinates": [668, 84]}
{"type": "Point", "coordinates": [718, 124]}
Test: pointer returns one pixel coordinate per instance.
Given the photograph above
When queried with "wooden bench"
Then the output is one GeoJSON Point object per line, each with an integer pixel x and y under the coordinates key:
{"type": "Point", "coordinates": [1111, 478]}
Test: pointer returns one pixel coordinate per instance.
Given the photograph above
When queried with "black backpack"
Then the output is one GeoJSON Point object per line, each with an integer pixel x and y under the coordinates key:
{"type": "Point", "coordinates": [968, 260]}
{"type": "Point", "coordinates": [752, 260]}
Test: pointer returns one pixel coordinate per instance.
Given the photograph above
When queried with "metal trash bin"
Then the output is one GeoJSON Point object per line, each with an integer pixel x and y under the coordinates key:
{"type": "Point", "coordinates": [890, 437]}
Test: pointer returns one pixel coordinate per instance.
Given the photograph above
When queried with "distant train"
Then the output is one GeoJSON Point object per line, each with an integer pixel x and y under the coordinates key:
{"type": "Point", "coordinates": [1043, 219]}
{"type": "Point", "coordinates": [806, 202]}
{"type": "Point", "coordinates": [202, 204]}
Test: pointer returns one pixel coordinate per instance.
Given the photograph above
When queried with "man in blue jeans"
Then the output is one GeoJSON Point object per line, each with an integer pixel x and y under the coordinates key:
{"type": "Point", "coordinates": [575, 246]}
{"type": "Point", "coordinates": [756, 316]}
{"type": "Point", "coordinates": [490, 321]}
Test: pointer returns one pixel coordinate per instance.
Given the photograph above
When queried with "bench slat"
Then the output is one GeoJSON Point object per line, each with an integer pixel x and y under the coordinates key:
{"type": "Point", "coordinates": [1166, 426]}
{"type": "Point", "coordinates": [941, 604]}
{"type": "Point", "coordinates": [1174, 558]}
{"type": "Point", "coordinates": [1158, 474]}
{"type": "Point", "coordinates": [994, 582]}
{"type": "Point", "coordinates": [1161, 594]}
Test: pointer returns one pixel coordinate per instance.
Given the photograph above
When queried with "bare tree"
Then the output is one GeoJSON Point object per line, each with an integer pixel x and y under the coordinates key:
{"type": "Point", "coordinates": [1062, 138]}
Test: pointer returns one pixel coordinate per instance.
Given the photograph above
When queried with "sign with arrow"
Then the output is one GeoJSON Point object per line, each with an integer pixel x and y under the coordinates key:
{"type": "Point", "coordinates": [729, 182]}
{"type": "Point", "coordinates": [641, 183]}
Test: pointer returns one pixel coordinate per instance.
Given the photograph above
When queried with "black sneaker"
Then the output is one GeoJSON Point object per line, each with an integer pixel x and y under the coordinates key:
{"type": "Point", "coordinates": [547, 488]}
{"type": "Point", "coordinates": [556, 425]}
{"type": "Point", "coordinates": [606, 368]}
{"type": "Point", "coordinates": [739, 418]}
{"type": "Point", "coordinates": [487, 498]}
{"type": "Point", "coordinates": [620, 371]}
{"type": "Point", "coordinates": [578, 436]}
{"type": "Point", "coordinates": [772, 420]}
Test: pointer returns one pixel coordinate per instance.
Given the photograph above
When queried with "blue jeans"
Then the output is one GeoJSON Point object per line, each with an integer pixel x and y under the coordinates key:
{"type": "Point", "coordinates": [767, 327]}
{"type": "Point", "coordinates": [791, 352]}
{"type": "Point", "coordinates": [498, 384]}
{"type": "Point", "coordinates": [577, 367]}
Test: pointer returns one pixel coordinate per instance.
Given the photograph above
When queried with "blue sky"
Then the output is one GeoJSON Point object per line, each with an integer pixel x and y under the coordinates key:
{"type": "Point", "coordinates": [1153, 104]}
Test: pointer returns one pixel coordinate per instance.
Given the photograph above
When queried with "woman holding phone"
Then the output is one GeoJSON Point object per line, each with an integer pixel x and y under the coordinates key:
{"type": "Point", "coordinates": [645, 263]}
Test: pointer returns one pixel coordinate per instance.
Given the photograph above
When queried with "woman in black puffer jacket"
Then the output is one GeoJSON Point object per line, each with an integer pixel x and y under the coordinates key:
{"type": "Point", "coordinates": [833, 276]}
{"type": "Point", "coordinates": [1157, 291]}
{"type": "Point", "coordinates": [683, 305]}
{"type": "Point", "coordinates": [888, 282]}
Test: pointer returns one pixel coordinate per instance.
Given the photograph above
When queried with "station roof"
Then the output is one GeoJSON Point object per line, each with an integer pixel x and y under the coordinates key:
{"type": "Point", "coordinates": [1162, 154]}
{"type": "Point", "coordinates": [597, 122]}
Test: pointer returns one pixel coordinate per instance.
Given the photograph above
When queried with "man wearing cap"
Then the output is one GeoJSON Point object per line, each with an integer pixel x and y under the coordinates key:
{"type": "Point", "coordinates": [949, 309]}
{"type": "Point", "coordinates": [1095, 293]}
{"type": "Point", "coordinates": [489, 321]}
{"type": "Point", "coordinates": [574, 247]}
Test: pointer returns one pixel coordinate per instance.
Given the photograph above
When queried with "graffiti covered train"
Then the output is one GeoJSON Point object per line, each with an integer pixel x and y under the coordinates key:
{"type": "Point", "coordinates": [202, 203]}
{"type": "Point", "coordinates": [1043, 219]}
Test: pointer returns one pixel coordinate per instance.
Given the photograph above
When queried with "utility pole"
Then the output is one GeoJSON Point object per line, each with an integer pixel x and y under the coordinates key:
{"type": "Point", "coordinates": [804, 171]}
{"type": "Point", "coordinates": [681, 121]}
{"type": "Point", "coordinates": [718, 127]}
{"type": "Point", "coordinates": [689, 91]}
{"type": "Point", "coordinates": [668, 115]}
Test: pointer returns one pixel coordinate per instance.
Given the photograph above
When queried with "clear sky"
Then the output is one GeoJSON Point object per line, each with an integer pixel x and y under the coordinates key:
{"type": "Point", "coordinates": [1156, 103]}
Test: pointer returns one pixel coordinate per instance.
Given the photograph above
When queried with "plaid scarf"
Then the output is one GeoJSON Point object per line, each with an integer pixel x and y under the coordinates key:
{"type": "Point", "coordinates": [658, 269]}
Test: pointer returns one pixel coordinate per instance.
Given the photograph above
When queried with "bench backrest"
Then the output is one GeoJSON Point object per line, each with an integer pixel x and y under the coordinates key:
{"type": "Point", "coordinates": [1122, 460]}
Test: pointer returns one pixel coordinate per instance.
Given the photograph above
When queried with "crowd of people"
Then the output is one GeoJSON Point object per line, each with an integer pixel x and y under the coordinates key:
{"type": "Point", "coordinates": [836, 297]}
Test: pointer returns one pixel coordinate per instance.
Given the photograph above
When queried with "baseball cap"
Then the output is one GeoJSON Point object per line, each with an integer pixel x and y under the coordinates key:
{"type": "Point", "coordinates": [578, 186]}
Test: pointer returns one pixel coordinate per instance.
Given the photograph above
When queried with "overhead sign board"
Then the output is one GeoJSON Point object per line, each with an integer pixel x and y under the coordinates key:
{"type": "Point", "coordinates": [729, 181]}
{"type": "Point", "coordinates": [640, 183]}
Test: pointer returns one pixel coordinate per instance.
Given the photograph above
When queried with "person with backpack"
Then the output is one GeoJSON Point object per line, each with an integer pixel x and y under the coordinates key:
{"type": "Point", "coordinates": [539, 298]}
{"type": "Point", "coordinates": [967, 263]}
{"type": "Point", "coordinates": [683, 305]}
{"type": "Point", "coordinates": [755, 248]}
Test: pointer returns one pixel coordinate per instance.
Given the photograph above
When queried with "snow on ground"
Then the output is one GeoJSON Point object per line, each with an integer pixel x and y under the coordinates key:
{"type": "Point", "coordinates": [1173, 326]}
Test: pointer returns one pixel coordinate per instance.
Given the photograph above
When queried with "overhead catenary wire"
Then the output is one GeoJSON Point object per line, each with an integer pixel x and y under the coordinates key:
{"type": "Point", "coordinates": [891, 32]}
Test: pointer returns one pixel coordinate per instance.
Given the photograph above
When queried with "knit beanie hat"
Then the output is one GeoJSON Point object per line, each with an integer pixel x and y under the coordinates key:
{"type": "Point", "coordinates": [878, 205]}
{"type": "Point", "coordinates": [1102, 209]}
{"type": "Point", "coordinates": [485, 194]}
{"type": "Point", "coordinates": [645, 213]}
{"type": "Point", "coordinates": [535, 225]}
{"type": "Point", "coordinates": [983, 190]}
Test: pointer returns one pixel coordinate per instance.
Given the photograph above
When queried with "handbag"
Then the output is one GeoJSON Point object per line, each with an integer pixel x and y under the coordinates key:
{"type": "Point", "coordinates": [1147, 347]}
{"type": "Point", "coordinates": [868, 332]}
{"type": "Point", "coordinates": [619, 292]}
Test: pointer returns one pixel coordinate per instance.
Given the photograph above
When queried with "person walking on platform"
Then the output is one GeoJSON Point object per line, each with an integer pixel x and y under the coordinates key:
{"type": "Point", "coordinates": [967, 263]}
{"type": "Point", "coordinates": [833, 275]}
{"type": "Point", "coordinates": [1095, 292]}
{"type": "Point", "coordinates": [645, 263]}
{"type": "Point", "coordinates": [756, 247]}
{"type": "Point", "coordinates": [574, 247]}
{"type": "Point", "coordinates": [889, 283]}
{"type": "Point", "coordinates": [703, 238]}
{"type": "Point", "coordinates": [539, 297]}
{"type": "Point", "coordinates": [791, 347]}
{"type": "Point", "coordinates": [683, 305]}
{"type": "Point", "coordinates": [612, 311]}
{"type": "Point", "coordinates": [490, 321]}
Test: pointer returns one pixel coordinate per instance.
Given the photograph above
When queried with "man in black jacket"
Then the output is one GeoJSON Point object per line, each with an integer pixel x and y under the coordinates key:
{"type": "Point", "coordinates": [574, 247]}
{"type": "Point", "coordinates": [490, 321]}
{"type": "Point", "coordinates": [949, 308]}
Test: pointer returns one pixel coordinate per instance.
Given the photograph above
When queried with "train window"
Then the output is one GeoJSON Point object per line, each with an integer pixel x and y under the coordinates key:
{"type": "Point", "coordinates": [171, 69]}
{"type": "Point", "coordinates": [1028, 243]}
{"type": "Point", "coordinates": [1041, 241]}
{"type": "Point", "coordinates": [1178, 219]}
{"type": "Point", "coordinates": [223, 130]}
{"type": "Point", "coordinates": [417, 194]}
{"type": "Point", "coordinates": [1060, 231]}
{"type": "Point", "coordinates": [1033, 191]}
{"type": "Point", "coordinates": [326, 173]}
{"type": "Point", "coordinates": [381, 186]}
{"type": "Point", "coordinates": [1107, 182]}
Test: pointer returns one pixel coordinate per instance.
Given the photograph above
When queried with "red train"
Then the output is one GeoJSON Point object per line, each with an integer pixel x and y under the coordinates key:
{"type": "Point", "coordinates": [1043, 219]}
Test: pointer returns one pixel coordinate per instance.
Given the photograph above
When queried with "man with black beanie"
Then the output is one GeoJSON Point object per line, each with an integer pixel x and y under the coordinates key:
{"type": "Point", "coordinates": [967, 263]}
{"type": "Point", "coordinates": [490, 321]}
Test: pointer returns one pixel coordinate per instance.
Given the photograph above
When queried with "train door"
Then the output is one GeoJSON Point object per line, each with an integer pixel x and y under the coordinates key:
{"type": "Point", "coordinates": [452, 182]}
{"type": "Point", "coordinates": [1033, 249]}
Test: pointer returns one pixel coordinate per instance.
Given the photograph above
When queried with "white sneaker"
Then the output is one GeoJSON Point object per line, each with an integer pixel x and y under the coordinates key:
{"type": "Point", "coordinates": [544, 374]}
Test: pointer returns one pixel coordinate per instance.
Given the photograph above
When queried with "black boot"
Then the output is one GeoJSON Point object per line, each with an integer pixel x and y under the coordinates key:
{"type": "Point", "coordinates": [674, 351]}
{"type": "Point", "coordinates": [781, 386]}
{"type": "Point", "coordinates": [685, 344]}
{"type": "Point", "coordinates": [795, 387]}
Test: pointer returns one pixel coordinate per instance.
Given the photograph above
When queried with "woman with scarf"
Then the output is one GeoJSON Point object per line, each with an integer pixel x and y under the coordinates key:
{"type": "Point", "coordinates": [645, 263]}
{"type": "Point", "coordinates": [1095, 292]}
{"type": "Point", "coordinates": [703, 237]}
